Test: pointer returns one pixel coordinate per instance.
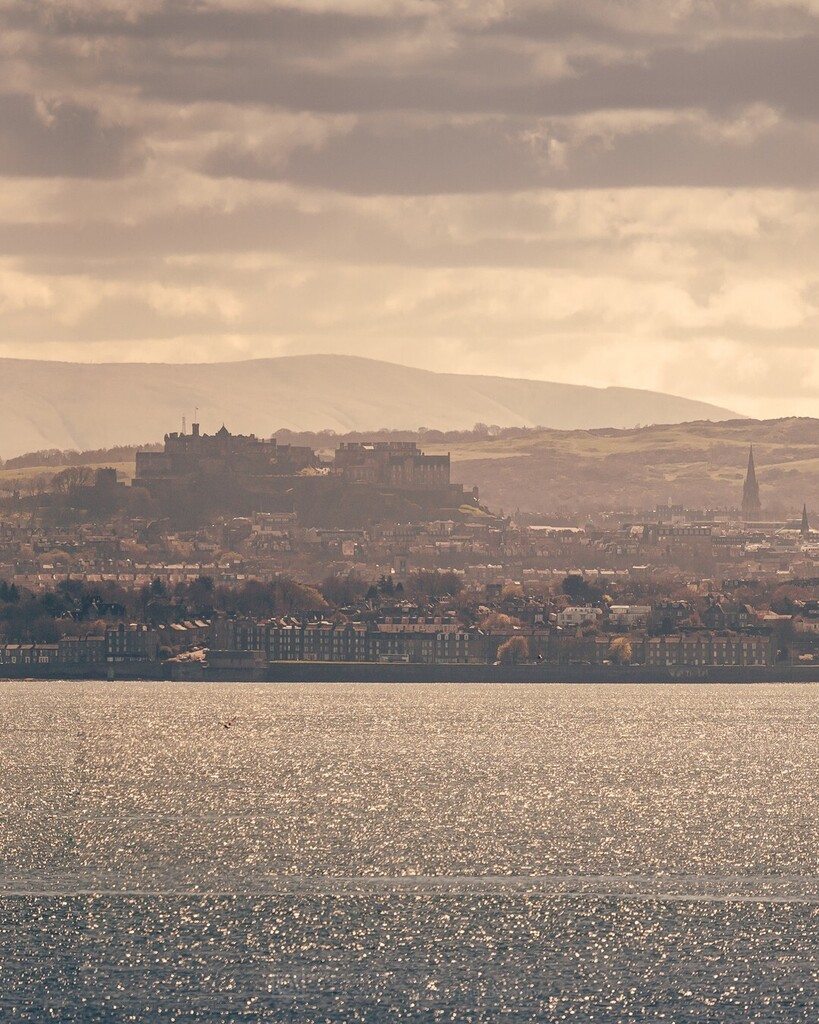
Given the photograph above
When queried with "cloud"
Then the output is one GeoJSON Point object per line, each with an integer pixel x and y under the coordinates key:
{"type": "Point", "coordinates": [502, 154]}
{"type": "Point", "coordinates": [605, 191]}
{"type": "Point", "coordinates": [455, 157]}
{"type": "Point", "coordinates": [378, 66]}
{"type": "Point", "coordinates": [280, 26]}
{"type": "Point", "coordinates": [60, 138]}
{"type": "Point", "coordinates": [642, 23]}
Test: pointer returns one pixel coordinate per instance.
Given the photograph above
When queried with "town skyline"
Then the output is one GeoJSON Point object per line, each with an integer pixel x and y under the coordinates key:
{"type": "Point", "coordinates": [235, 557]}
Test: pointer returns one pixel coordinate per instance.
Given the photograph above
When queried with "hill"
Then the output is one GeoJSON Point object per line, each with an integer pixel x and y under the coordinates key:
{"type": "Point", "coordinates": [90, 405]}
{"type": "Point", "coordinates": [699, 464]}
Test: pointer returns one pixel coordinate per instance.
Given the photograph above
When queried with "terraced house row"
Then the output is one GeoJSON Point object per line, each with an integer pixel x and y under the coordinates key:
{"type": "Point", "coordinates": [442, 641]}
{"type": "Point", "coordinates": [134, 643]}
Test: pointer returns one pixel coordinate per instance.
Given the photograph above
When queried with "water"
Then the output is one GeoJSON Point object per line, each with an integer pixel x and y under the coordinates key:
{"type": "Point", "coordinates": [409, 853]}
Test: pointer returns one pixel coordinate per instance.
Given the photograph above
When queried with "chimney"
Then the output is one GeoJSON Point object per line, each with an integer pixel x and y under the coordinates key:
{"type": "Point", "coordinates": [194, 429]}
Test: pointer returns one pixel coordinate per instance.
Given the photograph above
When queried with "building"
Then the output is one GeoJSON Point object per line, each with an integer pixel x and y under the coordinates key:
{"type": "Point", "coordinates": [705, 649]}
{"type": "Point", "coordinates": [667, 615]}
{"type": "Point", "coordinates": [751, 505]}
{"type": "Point", "coordinates": [579, 615]}
{"type": "Point", "coordinates": [135, 642]}
{"type": "Point", "coordinates": [421, 641]}
{"type": "Point", "coordinates": [82, 650]}
{"type": "Point", "coordinates": [393, 465]}
{"type": "Point", "coordinates": [630, 615]}
{"type": "Point", "coordinates": [132, 644]}
{"type": "Point", "coordinates": [247, 475]}
{"type": "Point", "coordinates": [218, 455]}
{"type": "Point", "coordinates": [20, 657]}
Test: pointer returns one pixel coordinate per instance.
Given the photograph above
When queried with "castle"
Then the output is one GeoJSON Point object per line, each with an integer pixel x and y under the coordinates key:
{"type": "Point", "coordinates": [221, 453]}
{"type": "Point", "coordinates": [392, 464]}
{"type": "Point", "coordinates": [242, 473]}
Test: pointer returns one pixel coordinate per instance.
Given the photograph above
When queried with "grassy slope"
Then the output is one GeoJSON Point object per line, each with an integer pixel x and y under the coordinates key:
{"type": "Point", "coordinates": [28, 477]}
{"type": "Point", "coordinates": [695, 464]}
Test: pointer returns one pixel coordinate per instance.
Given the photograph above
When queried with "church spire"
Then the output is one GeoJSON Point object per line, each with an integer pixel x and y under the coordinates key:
{"type": "Point", "coordinates": [751, 506]}
{"type": "Point", "coordinates": [805, 528]}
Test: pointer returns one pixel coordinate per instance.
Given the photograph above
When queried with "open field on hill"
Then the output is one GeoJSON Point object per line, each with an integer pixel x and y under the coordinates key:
{"type": "Point", "coordinates": [695, 464]}
{"type": "Point", "coordinates": [28, 478]}
{"type": "Point", "coordinates": [698, 464]}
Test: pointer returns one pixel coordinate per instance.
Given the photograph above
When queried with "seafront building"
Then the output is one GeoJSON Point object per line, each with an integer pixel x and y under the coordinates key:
{"type": "Point", "coordinates": [665, 586]}
{"type": "Point", "coordinates": [135, 644]}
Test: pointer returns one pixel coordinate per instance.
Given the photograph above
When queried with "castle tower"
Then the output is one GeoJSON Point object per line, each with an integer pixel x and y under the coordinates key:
{"type": "Point", "coordinates": [805, 527]}
{"type": "Point", "coordinates": [751, 506]}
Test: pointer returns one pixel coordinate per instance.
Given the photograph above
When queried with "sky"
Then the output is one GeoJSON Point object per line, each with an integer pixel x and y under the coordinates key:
{"type": "Point", "coordinates": [604, 192]}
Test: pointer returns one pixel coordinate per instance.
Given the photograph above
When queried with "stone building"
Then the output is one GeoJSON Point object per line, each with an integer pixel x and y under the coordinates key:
{"type": "Point", "coordinates": [218, 454]}
{"type": "Point", "coordinates": [751, 505]}
{"type": "Point", "coordinates": [397, 465]}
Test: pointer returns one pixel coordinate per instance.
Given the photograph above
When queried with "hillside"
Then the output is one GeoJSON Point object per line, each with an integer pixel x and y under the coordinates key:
{"type": "Point", "coordinates": [693, 464]}
{"type": "Point", "coordinates": [699, 464]}
{"type": "Point", "coordinates": [83, 405]}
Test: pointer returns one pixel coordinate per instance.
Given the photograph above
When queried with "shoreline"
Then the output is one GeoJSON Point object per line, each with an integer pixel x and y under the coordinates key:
{"type": "Point", "coordinates": [372, 672]}
{"type": "Point", "coordinates": [594, 674]}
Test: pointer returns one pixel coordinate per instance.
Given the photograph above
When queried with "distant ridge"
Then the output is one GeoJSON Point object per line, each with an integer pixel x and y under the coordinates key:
{"type": "Point", "coordinates": [92, 405]}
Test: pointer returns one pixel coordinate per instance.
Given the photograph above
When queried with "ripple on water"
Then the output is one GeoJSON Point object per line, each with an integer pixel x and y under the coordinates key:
{"type": "Point", "coordinates": [409, 853]}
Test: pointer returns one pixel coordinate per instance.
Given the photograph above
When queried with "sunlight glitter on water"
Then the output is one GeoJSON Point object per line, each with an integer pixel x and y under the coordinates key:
{"type": "Point", "coordinates": [409, 853]}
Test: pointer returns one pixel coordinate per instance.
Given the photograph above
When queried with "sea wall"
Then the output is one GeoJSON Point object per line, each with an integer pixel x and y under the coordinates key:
{"type": "Point", "coordinates": [122, 670]}
{"type": "Point", "coordinates": [368, 672]}
{"type": "Point", "coordinates": [350, 672]}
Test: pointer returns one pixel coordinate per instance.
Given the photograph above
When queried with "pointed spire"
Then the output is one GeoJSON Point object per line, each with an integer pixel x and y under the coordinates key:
{"type": "Point", "coordinates": [805, 528]}
{"type": "Point", "coordinates": [751, 506]}
{"type": "Point", "coordinates": [751, 475]}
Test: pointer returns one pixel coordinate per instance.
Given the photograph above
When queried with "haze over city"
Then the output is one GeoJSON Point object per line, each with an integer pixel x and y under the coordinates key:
{"type": "Point", "coordinates": [409, 511]}
{"type": "Point", "coordinates": [595, 193]}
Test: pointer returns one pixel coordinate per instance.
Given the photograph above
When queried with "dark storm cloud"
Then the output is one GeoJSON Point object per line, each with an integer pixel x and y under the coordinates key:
{"type": "Point", "coordinates": [61, 139]}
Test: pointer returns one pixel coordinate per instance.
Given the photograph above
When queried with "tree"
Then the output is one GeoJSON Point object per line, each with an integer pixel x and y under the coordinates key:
{"type": "Point", "coordinates": [386, 585]}
{"type": "Point", "coordinates": [497, 620]}
{"type": "Point", "coordinates": [513, 651]}
{"type": "Point", "coordinates": [345, 589]}
{"type": "Point", "coordinates": [201, 595]}
{"type": "Point", "coordinates": [426, 584]}
{"type": "Point", "coordinates": [293, 596]}
{"type": "Point", "coordinates": [579, 591]}
{"type": "Point", "coordinates": [620, 650]}
{"type": "Point", "coordinates": [71, 480]}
